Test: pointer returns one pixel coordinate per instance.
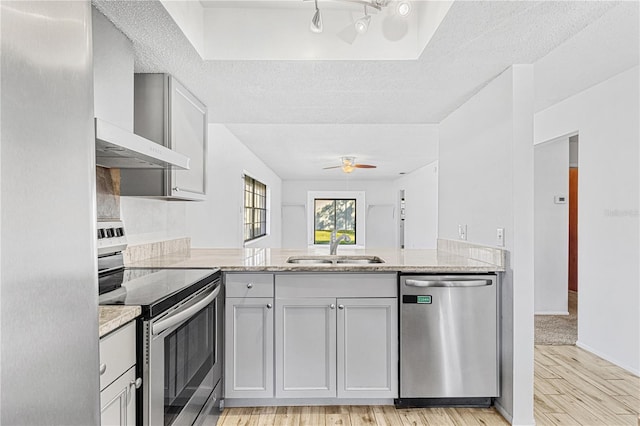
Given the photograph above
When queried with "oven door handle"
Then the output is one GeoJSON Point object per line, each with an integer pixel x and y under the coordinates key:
{"type": "Point", "coordinates": [184, 315]}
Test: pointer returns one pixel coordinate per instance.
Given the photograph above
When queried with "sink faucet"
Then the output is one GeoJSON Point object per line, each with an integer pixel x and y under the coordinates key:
{"type": "Point", "coordinates": [333, 243]}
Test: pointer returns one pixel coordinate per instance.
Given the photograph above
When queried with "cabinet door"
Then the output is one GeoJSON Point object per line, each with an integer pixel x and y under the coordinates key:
{"type": "Point", "coordinates": [188, 132]}
{"type": "Point", "coordinates": [367, 348]}
{"type": "Point", "coordinates": [305, 348]}
{"type": "Point", "coordinates": [118, 401]}
{"type": "Point", "coordinates": [249, 348]}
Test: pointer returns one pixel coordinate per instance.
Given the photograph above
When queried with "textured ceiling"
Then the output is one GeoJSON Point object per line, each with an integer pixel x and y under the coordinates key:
{"type": "Point", "coordinates": [269, 105]}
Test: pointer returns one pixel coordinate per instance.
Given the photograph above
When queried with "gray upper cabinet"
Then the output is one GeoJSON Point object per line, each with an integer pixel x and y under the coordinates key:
{"type": "Point", "coordinates": [167, 113]}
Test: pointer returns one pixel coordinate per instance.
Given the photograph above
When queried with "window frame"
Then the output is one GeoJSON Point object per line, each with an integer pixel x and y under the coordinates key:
{"type": "Point", "coordinates": [360, 218]}
{"type": "Point", "coordinates": [254, 209]}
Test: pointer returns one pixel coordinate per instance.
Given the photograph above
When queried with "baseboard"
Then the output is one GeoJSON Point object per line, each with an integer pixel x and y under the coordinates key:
{"type": "Point", "coordinates": [503, 412]}
{"type": "Point", "coordinates": [608, 358]}
{"type": "Point", "coordinates": [552, 313]}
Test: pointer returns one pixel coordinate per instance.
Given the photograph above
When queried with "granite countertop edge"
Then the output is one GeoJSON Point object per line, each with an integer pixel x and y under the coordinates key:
{"type": "Point", "coordinates": [113, 317]}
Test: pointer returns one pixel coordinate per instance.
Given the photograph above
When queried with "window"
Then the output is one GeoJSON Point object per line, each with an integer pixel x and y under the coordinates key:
{"type": "Point", "coordinates": [334, 214]}
{"type": "Point", "coordinates": [342, 211]}
{"type": "Point", "coordinates": [255, 209]}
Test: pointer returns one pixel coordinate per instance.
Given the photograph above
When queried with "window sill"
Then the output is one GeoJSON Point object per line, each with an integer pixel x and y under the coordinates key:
{"type": "Point", "coordinates": [254, 241]}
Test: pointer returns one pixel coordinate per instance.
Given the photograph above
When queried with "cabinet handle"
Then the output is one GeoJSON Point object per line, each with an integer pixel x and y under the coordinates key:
{"type": "Point", "coordinates": [136, 383]}
{"type": "Point", "coordinates": [340, 306]}
{"type": "Point", "coordinates": [269, 306]}
{"type": "Point", "coordinates": [332, 306]}
{"type": "Point", "coordinates": [176, 189]}
{"type": "Point", "coordinates": [250, 285]}
{"type": "Point", "coordinates": [103, 369]}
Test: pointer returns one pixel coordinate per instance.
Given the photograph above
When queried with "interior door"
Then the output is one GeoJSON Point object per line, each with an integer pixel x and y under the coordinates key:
{"type": "Point", "coordinates": [573, 228]}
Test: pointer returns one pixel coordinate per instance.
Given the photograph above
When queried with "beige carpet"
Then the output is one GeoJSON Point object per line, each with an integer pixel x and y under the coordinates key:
{"type": "Point", "coordinates": [558, 329]}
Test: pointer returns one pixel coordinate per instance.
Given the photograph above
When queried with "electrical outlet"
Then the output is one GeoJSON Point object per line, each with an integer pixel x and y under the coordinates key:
{"type": "Point", "coordinates": [462, 232]}
{"type": "Point", "coordinates": [500, 237]}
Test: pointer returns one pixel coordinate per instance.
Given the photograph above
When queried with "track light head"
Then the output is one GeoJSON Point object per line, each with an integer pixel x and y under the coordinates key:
{"type": "Point", "coordinates": [404, 8]}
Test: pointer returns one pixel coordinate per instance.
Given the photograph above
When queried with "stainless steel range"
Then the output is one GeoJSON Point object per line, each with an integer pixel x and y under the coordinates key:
{"type": "Point", "coordinates": [180, 333]}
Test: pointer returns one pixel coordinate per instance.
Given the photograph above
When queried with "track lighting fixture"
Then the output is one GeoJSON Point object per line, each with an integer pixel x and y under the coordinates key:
{"type": "Point", "coordinates": [316, 21]}
{"type": "Point", "coordinates": [362, 24]}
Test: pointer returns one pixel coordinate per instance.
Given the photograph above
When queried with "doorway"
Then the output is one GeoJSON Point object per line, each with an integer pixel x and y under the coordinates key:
{"type": "Point", "coordinates": [556, 234]}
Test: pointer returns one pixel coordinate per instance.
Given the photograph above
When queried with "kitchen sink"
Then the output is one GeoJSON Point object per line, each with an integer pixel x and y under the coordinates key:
{"type": "Point", "coordinates": [335, 260]}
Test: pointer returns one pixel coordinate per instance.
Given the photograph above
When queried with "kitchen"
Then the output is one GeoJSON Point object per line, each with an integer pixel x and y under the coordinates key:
{"type": "Point", "coordinates": [58, 257]}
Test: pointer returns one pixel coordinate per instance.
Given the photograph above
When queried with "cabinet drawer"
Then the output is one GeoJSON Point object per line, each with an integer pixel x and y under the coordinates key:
{"type": "Point", "coordinates": [117, 353]}
{"type": "Point", "coordinates": [249, 285]}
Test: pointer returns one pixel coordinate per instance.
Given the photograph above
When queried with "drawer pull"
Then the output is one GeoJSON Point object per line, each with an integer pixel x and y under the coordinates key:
{"type": "Point", "coordinates": [136, 383]}
{"type": "Point", "coordinates": [250, 285]}
{"type": "Point", "coordinates": [269, 306]}
{"type": "Point", "coordinates": [103, 369]}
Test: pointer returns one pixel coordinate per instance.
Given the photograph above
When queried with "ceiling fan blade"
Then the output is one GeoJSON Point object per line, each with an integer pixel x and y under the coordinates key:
{"type": "Point", "coordinates": [364, 166]}
{"type": "Point", "coordinates": [332, 167]}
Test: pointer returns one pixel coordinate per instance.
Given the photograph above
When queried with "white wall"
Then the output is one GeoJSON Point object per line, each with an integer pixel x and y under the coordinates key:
{"type": "Point", "coordinates": [551, 225]}
{"type": "Point", "coordinates": [218, 221]}
{"type": "Point", "coordinates": [606, 118]}
{"type": "Point", "coordinates": [381, 209]}
{"type": "Point", "coordinates": [421, 207]}
{"type": "Point", "coordinates": [486, 182]}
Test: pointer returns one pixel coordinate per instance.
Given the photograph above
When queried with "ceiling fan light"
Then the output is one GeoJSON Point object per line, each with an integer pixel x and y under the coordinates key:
{"type": "Point", "coordinates": [348, 168]}
{"type": "Point", "coordinates": [316, 22]}
{"type": "Point", "coordinates": [404, 8]}
{"type": "Point", "coordinates": [362, 24]}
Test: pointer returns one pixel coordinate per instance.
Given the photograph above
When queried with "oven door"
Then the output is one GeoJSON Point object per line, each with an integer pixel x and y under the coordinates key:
{"type": "Point", "coordinates": [183, 359]}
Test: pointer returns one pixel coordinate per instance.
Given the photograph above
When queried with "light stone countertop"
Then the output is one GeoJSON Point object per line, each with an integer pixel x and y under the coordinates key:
{"type": "Point", "coordinates": [274, 260]}
{"type": "Point", "coordinates": [113, 317]}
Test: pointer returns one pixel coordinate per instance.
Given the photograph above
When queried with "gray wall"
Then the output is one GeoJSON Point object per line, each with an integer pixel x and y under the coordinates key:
{"type": "Point", "coordinates": [48, 268]}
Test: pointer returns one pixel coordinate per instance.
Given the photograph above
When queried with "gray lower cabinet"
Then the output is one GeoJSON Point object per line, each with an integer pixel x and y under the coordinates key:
{"type": "Point", "coordinates": [249, 348]}
{"type": "Point", "coordinates": [344, 346]}
{"type": "Point", "coordinates": [248, 368]}
{"type": "Point", "coordinates": [367, 348]}
{"type": "Point", "coordinates": [306, 348]}
{"type": "Point", "coordinates": [118, 401]}
{"type": "Point", "coordinates": [118, 380]}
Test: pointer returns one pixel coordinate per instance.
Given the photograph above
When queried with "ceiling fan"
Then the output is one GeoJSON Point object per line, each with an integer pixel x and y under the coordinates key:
{"type": "Point", "coordinates": [349, 165]}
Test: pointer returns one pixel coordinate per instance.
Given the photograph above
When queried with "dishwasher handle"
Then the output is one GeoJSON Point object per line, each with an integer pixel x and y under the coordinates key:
{"type": "Point", "coordinates": [448, 283]}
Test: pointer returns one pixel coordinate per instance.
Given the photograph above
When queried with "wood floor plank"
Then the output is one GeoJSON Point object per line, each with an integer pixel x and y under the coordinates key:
{"type": "Point", "coordinates": [411, 417]}
{"type": "Point", "coordinates": [337, 415]}
{"type": "Point", "coordinates": [312, 416]}
{"type": "Point", "coordinates": [287, 416]}
{"type": "Point", "coordinates": [237, 417]}
{"type": "Point", "coordinates": [579, 410]}
{"type": "Point", "coordinates": [467, 415]}
{"type": "Point", "coordinates": [265, 416]}
{"type": "Point", "coordinates": [386, 415]}
{"type": "Point", "coordinates": [437, 417]}
{"type": "Point", "coordinates": [361, 415]}
{"type": "Point", "coordinates": [562, 419]}
{"type": "Point", "coordinates": [545, 405]}
{"type": "Point", "coordinates": [488, 416]}
{"type": "Point", "coordinates": [631, 402]}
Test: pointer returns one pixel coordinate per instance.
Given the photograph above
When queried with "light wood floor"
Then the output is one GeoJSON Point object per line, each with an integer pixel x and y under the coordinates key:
{"type": "Point", "coordinates": [571, 387]}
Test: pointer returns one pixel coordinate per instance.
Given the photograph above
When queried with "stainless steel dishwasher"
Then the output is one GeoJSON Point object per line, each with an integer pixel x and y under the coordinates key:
{"type": "Point", "coordinates": [449, 346]}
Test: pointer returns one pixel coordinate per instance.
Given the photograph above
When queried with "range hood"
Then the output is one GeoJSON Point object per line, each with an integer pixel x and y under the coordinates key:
{"type": "Point", "coordinates": [121, 149]}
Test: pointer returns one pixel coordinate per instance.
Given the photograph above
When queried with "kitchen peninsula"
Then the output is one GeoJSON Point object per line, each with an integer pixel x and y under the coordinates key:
{"type": "Point", "coordinates": [451, 256]}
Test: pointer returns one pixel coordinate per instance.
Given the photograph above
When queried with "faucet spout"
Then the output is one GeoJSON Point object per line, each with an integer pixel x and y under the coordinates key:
{"type": "Point", "coordinates": [335, 241]}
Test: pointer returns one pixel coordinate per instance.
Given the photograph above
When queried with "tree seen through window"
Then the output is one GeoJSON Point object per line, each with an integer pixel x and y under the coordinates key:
{"type": "Point", "coordinates": [334, 214]}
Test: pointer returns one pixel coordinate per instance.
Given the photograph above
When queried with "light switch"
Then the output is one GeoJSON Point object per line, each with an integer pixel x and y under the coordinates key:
{"type": "Point", "coordinates": [462, 232]}
{"type": "Point", "coordinates": [560, 199]}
